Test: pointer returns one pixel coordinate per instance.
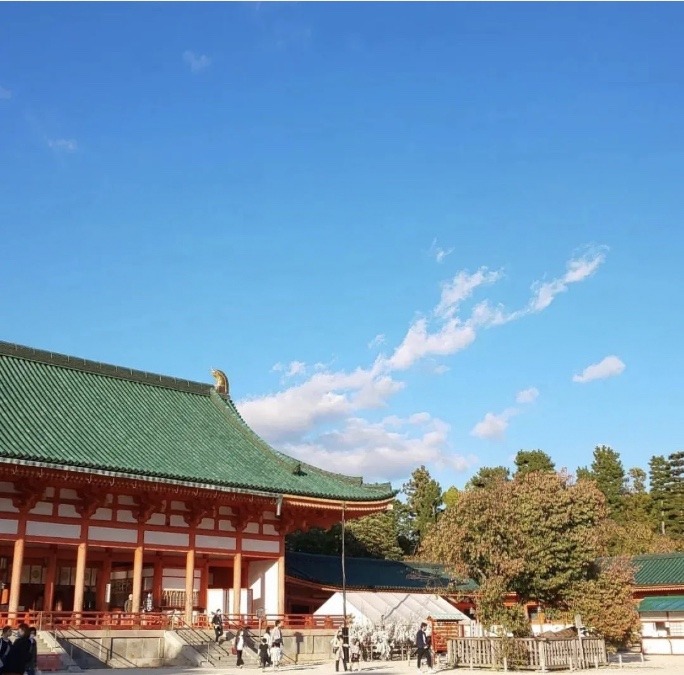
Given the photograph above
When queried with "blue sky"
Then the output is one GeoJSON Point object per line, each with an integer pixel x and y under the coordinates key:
{"type": "Point", "coordinates": [401, 229]}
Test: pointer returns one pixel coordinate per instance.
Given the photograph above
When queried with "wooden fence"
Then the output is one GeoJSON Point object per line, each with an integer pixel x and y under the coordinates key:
{"type": "Point", "coordinates": [526, 653]}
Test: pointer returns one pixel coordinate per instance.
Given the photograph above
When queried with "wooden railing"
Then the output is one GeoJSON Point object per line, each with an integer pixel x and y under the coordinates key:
{"type": "Point", "coordinates": [161, 620]}
{"type": "Point", "coordinates": [527, 653]}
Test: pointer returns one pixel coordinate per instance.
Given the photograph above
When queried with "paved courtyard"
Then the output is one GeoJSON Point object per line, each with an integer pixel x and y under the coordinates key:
{"type": "Point", "coordinates": [652, 665]}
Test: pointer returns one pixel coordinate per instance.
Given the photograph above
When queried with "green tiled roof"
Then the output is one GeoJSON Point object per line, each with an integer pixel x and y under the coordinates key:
{"type": "Point", "coordinates": [659, 569]}
{"type": "Point", "coordinates": [370, 573]}
{"type": "Point", "coordinates": [662, 603]}
{"type": "Point", "coordinates": [69, 412]}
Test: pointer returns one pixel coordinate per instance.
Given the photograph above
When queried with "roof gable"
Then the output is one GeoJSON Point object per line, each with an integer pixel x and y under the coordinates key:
{"type": "Point", "coordinates": [72, 413]}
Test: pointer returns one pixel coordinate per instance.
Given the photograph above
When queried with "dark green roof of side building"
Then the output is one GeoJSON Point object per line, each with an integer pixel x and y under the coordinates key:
{"type": "Point", "coordinates": [372, 573]}
{"type": "Point", "coordinates": [659, 569]}
{"type": "Point", "coordinates": [662, 603]}
{"type": "Point", "coordinates": [67, 412]}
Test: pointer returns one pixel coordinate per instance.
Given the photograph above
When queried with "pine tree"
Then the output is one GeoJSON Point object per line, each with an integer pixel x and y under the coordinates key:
{"type": "Point", "coordinates": [660, 479]}
{"type": "Point", "coordinates": [486, 476]}
{"type": "Point", "coordinates": [609, 474]}
{"type": "Point", "coordinates": [676, 462]}
{"type": "Point", "coordinates": [533, 460]}
{"type": "Point", "coordinates": [424, 500]}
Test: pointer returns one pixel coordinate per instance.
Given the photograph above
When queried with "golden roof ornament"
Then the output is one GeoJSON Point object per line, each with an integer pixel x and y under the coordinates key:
{"type": "Point", "coordinates": [220, 381]}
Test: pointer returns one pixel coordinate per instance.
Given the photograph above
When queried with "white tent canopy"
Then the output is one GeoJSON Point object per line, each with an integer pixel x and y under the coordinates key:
{"type": "Point", "coordinates": [376, 608]}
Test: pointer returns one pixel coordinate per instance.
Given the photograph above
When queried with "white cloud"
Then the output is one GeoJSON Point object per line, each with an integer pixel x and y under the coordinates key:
{"type": "Point", "coordinates": [378, 340]}
{"type": "Point", "coordinates": [196, 62]}
{"type": "Point", "coordinates": [527, 395]}
{"type": "Point", "coordinates": [461, 287]}
{"type": "Point", "coordinates": [334, 399]}
{"type": "Point", "coordinates": [326, 396]}
{"type": "Point", "coordinates": [296, 368]}
{"type": "Point", "coordinates": [611, 366]}
{"type": "Point", "coordinates": [577, 269]}
{"type": "Point", "coordinates": [419, 342]}
{"type": "Point", "coordinates": [386, 450]}
{"type": "Point", "coordinates": [493, 426]}
{"type": "Point", "coordinates": [5, 94]}
{"type": "Point", "coordinates": [63, 145]}
{"type": "Point", "coordinates": [438, 252]}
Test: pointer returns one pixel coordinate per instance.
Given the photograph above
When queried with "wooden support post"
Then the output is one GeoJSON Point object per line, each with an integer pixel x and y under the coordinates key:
{"type": "Point", "coordinates": [79, 582]}
{"type": "Point", "coordinates": [237, 584]}
{"type": "Point", "coordinates": [15, 583]}
{"type": "Point", "coordinates": [50, 578]}
{"type": "Point", "coordinates": [204, 585]}
{"type": "Point", "coordinates": [137, 578]}
{"type": "Point", "coordinates": [103, 579]}
{"type": "Point", "coordinates": [189, 584]}
{"type": "Point", "coordinates": [281, 586]}
{"type": "Point", "coordinates": [157, 581]}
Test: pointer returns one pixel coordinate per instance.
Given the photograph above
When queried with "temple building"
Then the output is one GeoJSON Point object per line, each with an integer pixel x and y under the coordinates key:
{"type": "Point", "coordinates": [126, 490]}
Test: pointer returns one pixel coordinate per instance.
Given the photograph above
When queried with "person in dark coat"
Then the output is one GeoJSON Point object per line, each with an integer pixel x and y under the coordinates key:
{"type": "Point", "coordinates": [33, 655]}
{"type": "Point", "coordinates": [5, 644]}
{"type": "Point", "coordinates": [19, 655]}
{"type": "Point", "coordinates": [217, 623]}
{"type": "Point", "coordinates": [423, 647]}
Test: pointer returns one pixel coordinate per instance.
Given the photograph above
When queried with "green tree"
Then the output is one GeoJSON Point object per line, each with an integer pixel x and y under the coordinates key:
{"type": "Point", "coordinates": [424, 501]}
{"type": "Point", "coordinates": [635, 538]}
{"type": "Point", "coordinates": [375, 536]}
{"type": "Point", "coordinates": [609, 474]}
{"type": "Point", "coordinates": [605, 601]}
{"type": "Point", "coordinates": [450, 497]}
{"type": "Point", "coordinates": [659, 479]}
{"type": "Point", "coordinates": [533, 460]}
{"type": "Point", "coordinates": [487, 476]}
{"type": "Point", "coordinates": [636, 481]}
{"type": "Point", "coordinates": [536, 535]}
{"type": "Point", "coordinates": [676, 461]}
{"type": "Point", "coordinates": [667, 493]}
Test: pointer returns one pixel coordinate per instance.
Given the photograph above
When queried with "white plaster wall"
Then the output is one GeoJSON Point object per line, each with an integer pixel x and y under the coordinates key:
{"type": "Point", "coordinates": [262, 577]}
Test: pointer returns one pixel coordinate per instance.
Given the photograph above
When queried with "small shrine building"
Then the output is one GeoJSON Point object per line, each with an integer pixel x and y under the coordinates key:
{"type": "Point", "coordinates": [126, 490]}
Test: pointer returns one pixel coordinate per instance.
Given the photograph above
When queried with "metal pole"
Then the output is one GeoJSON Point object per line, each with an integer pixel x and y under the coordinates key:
{"type": "Point", "coordinates": [344, 570]}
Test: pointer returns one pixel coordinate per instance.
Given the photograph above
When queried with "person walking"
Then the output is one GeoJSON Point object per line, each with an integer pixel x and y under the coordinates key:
{"type": "Point", "coordinates": [19, 654]}
{"type": "Point", "coordinates": [269, 642]}
{"type": "Point", "coordinates": [217, 623]}
{"type": "Point", "coordinates": [423, 648]}
{"type": "Point", "coordinates": [355, 655]}
{"type": "Point", "coordinates": [33, 653]}
{"type": "Point", "coordinates": [337, 644]}
{"type": "Point", "coordinates": [276, 645]}
{"type": "Point", "coordinates": [264, 658]}
{"type": "Point", "coordinates": [239, 645]}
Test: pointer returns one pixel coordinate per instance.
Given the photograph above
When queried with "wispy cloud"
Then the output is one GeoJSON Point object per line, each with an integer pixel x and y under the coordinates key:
{"type": "Point", "coordinates": [5, 94]}
{"type": "Point", "coordinates": [378, 340]}
{"type": "Point", "coordinates": [196, 62]}
{"type": "Point", "coordinates": [578, 269]}
{"type": "Point", "coordinates": [494, 425]}
{"type": "Point", "coordinates": [527, 395]}
{"type": "Point", "coordinates": [439, 253]}
{"type": "Point", "coordinates": [63, 145]}
{"type": "Point", "coordinates": [292, 369]}
{"type": "Point", "coordinates": [299, 418]}
{"type": "Point", "coordinates": [611, 366]}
